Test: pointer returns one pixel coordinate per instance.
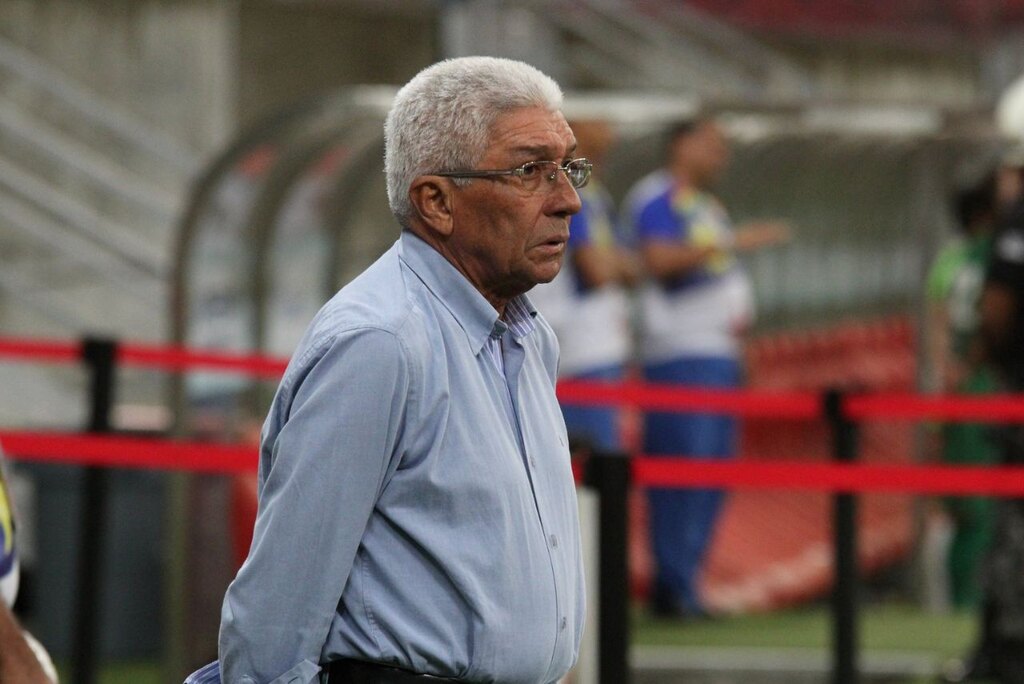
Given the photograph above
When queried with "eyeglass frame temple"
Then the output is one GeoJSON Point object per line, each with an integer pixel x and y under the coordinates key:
{"type": "Point", "coordinates": [518, 171]}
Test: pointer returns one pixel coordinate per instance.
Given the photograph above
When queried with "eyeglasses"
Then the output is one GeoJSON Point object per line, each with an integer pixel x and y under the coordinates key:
{"type": "Point", "coordinates": [532, 173]}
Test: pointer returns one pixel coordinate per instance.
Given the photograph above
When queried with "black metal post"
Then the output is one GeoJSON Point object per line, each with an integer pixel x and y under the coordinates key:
{"type": "Point", "coordinates": [100, 357]}
{"type": "Point", "coordinates": [609, 475]}
{"type": "Point", "coordinates": [845, 667]}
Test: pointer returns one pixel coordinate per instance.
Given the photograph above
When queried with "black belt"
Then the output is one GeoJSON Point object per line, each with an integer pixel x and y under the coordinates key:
{"type": "Point", "coordinates": [360, 672]}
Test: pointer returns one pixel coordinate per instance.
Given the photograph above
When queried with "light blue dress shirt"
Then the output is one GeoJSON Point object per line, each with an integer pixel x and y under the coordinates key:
{"type": "Point", "coordinates": [417, 505]}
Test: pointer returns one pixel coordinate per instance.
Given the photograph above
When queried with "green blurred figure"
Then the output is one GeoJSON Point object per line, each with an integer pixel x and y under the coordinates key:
{"type": "Point", "coordinates": [954, 288]}
{"type": "Point", "coordinates": [999, 653]}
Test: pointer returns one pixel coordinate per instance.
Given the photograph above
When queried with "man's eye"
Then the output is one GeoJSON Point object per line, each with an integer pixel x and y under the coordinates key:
{"type": "Point", "coordinates": [531, 170]}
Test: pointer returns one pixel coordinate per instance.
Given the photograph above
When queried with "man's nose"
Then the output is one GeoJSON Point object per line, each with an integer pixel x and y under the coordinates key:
{"type": "Point", "coordinates": [565, 200]}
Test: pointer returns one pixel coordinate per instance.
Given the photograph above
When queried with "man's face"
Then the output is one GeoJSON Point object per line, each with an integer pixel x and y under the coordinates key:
{"type": "Point", "coordinates": [505, 238]}
{"type": "Point", "coordinates": [703, 155]}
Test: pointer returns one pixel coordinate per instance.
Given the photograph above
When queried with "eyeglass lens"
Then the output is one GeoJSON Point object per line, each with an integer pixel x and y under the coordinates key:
{"type": "Point", "coordinates": [577, 171]}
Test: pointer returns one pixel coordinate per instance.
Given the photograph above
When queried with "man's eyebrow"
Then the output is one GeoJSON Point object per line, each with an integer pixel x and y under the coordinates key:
{"type": "Point", "coordinates": [535, 151]}
{"type": "Point", "coordinates": [540, 152]}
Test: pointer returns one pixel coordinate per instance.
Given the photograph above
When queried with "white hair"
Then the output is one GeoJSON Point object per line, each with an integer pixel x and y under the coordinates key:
{"type": "Point", "coordinates": [442, 118]}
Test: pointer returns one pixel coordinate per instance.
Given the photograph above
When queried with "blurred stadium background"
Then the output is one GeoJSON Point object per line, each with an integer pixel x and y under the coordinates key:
{"type": "Point", "coordinates": [208, 171]}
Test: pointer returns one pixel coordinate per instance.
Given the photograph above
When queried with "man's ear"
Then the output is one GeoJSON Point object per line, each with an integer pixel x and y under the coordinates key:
{"type": "Point", "coordinates": [432, 199]}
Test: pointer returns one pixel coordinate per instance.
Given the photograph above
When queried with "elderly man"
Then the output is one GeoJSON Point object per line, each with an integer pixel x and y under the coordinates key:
{"type": "Point", "coordinates": [417, 517]}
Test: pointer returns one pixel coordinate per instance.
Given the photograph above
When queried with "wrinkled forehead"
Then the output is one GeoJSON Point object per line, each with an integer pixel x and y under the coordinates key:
{"type": "Point", "coordinates": [530, 133]}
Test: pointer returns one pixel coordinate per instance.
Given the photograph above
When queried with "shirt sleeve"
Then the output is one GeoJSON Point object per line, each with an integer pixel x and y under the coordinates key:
{"type": "Point", "coordinates": [656, 221]}
{"type": "Point", "coordinates": [339, 434]}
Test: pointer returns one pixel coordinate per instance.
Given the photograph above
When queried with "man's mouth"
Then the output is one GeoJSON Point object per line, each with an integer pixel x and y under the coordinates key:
{"type": "Point", "coordinates": [552, 247]}
{"type": "Point", "coordinates": [556, 241]}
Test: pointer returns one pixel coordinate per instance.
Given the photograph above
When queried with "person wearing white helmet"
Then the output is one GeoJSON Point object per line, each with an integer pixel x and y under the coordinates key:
{"type": "Point", "coordinates": [22, 658]}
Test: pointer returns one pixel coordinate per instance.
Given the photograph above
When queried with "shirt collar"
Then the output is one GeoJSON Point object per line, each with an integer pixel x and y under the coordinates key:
{"type": "Point", "coordinates": [519, 313]}
{"type": "Point", "coordinates": [478, 319]}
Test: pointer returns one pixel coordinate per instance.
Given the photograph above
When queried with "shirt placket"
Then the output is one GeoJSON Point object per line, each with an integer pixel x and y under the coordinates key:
{"type": "Point", "coordinates": [513, 357]}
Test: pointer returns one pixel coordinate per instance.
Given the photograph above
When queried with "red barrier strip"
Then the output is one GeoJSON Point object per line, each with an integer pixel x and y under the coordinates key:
{"type": "Point", "coordinates": [996, 408]}
{"type": "Point", "coordinates": [781, 405]}
{"type": "Point", "coordinates": [831, 477]}
{"type": "Point", "coordinates": [45, 351]}
{"type": "Point", "coordinates": [136, 452]}
{"type": "Point", "coordinates": [791, 405]}
{"type": "Point", "coordinates": [993, 408]}
{"type": "Point", "coordinates": [128, 452]}
{"type": "Point", "coordinates": [179, 359]}
{"type": "Point", "coordinates": [169, 358]}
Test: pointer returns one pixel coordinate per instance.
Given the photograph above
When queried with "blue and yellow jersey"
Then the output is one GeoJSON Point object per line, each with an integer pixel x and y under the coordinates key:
{"type": "Point", "coordinates": [8, 555]}
{"type": "Point", "coordinates": [684, 214]}
{"type": "Point", "coordinates": [700, 312]}
{"type": "Point", "coordinates": [592, 225]}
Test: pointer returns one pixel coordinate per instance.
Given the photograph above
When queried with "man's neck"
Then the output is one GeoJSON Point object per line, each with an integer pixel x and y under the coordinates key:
{"type": "Point", "coordinates": [686, 179]}
{"type": "Point", "coordinates": [499, 302]}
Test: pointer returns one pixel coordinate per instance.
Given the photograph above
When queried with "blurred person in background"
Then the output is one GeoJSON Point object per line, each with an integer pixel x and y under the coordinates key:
{"type": "Point", "coordinates": [999, 655]}
{"type": "Point", "coordinates": [953, 292]}
{"type": "Point", "coordinates": [696, 307]}
{"type": "Point", "coordinates": [417, 515]}
{"type": "Point", "coordinates": [22, 659]}
{"type": "Point", "coordinates": [586, 304]}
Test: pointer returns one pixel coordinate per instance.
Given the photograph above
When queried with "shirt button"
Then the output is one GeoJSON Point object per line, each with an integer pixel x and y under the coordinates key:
{"type": "Point", "coordinates": [554, 541]}
{"type": "Point", "coordinates": [564, 622]}
{"type": "Point", "coordinates": [533, 462]}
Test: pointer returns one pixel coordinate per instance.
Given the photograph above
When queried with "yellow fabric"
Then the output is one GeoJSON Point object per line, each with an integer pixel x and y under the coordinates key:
{"type": "Point", "coordinates": [6, 518]}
